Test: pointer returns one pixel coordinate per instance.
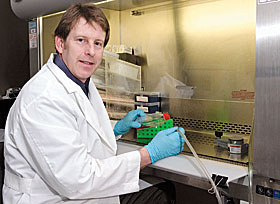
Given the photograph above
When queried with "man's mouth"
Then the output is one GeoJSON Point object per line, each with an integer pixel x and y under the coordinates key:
{"type": "Point", "coordinates": [86, 62]}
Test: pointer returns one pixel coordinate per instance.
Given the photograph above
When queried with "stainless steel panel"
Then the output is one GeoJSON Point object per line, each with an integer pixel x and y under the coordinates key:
{"type": "Point", "coordinates": [269, 185]}
{"type": "Point", "coordinates": [198, 182]}
{"type": "Point", "coordinates": [239, 188]}
{"type": "Point", "coordinates": [29, 9]}
{"type": "Point", "coordinates": [266, 160]}
{"type": "Point", "coordinates": [121, 5]}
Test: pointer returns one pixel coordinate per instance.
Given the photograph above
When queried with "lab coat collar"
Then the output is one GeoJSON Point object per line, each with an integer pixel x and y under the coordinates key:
{"type": "Point", "coordinates": [92, 114]}
{"type": "Point", "coordinates": [61, 76]}
{"type": "Point", "coordinates": [59, 62]}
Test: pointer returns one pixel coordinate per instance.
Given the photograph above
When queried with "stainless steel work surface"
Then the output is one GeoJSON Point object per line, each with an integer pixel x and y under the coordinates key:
{"type": "Point", "coordinates": [187, 165]}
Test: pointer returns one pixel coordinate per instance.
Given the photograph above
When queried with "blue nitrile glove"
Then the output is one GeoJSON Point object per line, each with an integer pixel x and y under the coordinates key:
{"type": "Point", "coordinates": [166, 143]}
{"type": "Point", "coordinates": [124, 125]}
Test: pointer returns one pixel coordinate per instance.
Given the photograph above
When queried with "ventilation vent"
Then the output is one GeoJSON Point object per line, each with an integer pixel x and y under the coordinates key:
{"type": "Point", "coordinates": [212, 125]}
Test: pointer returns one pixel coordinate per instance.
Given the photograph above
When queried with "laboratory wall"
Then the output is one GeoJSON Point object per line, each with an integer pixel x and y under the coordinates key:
{"type": "Point", "coordinates": [14, 52]}
{"type": "Point", "coordinates": [208, 45]}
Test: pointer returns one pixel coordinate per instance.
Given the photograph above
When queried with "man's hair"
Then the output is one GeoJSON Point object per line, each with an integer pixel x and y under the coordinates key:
{"type": "Point", "coordinates": [89, 12]}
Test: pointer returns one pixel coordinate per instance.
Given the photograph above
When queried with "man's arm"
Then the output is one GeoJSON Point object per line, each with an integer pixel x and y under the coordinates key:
{"type": "Point", "coordinates": [145, 157]}
{"type": "Point", "coordinates": [165, 144]}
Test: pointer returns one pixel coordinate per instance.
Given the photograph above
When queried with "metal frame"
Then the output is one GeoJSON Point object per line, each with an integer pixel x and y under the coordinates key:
{"type": "Point", "coordinates": [266, 158]}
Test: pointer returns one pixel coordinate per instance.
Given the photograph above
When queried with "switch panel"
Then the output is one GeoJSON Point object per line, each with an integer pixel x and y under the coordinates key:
{"type": "Point", "coordinates": [260, 190]}
{"type": "Point", "coordinates": [266, 190]}
{"type": "Point", "coordinates": [269, 192]}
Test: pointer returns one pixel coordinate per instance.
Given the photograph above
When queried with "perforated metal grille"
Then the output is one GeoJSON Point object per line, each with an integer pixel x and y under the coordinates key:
{"type": "Point", "coordinates": [213, 125]}
{"type": "Point", "coordinates": [201, 139]}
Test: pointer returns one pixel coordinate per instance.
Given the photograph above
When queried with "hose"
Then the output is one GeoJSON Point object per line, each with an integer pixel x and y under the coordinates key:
{"type": "Point", "coordinates": [202, 167]}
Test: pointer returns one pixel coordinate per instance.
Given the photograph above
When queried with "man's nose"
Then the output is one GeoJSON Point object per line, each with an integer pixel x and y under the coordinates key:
{"type": "Point", "coordinates": [90, 49]}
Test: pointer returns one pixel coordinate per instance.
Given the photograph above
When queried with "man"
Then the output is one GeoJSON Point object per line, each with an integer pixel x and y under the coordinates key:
{"type": "Point", "coordinates": [59, 142]}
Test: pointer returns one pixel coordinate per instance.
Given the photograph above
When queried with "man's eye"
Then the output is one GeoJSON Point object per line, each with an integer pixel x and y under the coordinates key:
{"type": "Point", "coordinates": [99, 44]}
{"type": "Point", "coordinates": [80, 40]}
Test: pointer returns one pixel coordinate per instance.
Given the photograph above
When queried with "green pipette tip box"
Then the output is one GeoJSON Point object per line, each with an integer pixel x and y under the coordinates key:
{"type": "Point", "coordinates": [145, 135]}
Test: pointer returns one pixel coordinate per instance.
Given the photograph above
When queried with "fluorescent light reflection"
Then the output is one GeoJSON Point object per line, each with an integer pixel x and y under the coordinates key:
{"type": "Point", "coordinates": [268, 31]}
{"type": "Point", "coordinates": [103, 2]}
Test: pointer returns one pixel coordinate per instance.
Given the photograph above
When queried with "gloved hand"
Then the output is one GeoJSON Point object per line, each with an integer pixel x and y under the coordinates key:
{"type": "Point", "coordinates": [124, 125]}
{"type": "Point", "coordinates": [166, 143]}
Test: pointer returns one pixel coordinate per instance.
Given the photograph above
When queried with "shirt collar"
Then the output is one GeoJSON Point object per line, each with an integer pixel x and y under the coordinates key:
{"type": "Point", "coordinates": [84, 86]}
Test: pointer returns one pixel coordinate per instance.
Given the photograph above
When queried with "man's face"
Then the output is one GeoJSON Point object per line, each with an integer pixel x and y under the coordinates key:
{"type": "Point", "coordinates": [83, 48]}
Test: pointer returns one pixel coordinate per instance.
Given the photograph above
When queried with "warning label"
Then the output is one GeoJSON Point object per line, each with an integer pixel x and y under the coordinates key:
{"type": "Point", "coordinates": [243, 94]}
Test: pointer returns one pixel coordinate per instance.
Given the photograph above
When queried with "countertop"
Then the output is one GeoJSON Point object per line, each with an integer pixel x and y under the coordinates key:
{"type": "Point", "coordinates": [186, 170]}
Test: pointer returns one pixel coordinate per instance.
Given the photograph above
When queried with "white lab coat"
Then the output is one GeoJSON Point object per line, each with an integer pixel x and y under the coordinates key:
{"type": "Point", "coordinates": [60, 146]}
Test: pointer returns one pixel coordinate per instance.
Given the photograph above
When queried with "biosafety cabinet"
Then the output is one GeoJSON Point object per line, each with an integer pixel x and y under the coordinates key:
{"type": "Point", "coordinates": [216, 64]}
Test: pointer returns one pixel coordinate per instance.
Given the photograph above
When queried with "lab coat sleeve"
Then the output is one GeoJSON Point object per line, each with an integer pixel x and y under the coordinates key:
{"type": "Point", "coordinates": [55, 151]}
{"type": "Point", "coordinates": [113, 123]}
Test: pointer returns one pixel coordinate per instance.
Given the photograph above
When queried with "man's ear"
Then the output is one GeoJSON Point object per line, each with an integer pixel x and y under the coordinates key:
{"type": "Point", "coordinates": [59, 44]}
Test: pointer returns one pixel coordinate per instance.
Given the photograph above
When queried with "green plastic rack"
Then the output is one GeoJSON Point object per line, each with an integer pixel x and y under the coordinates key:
{"type": "Point", "coordinates": [145, 135]}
